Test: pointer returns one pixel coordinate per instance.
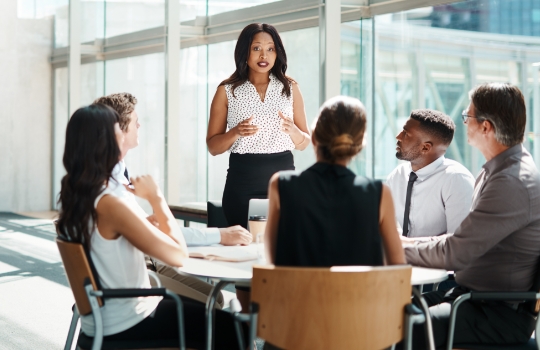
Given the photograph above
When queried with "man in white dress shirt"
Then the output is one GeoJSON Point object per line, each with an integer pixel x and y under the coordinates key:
{"type": "Point", "coordinates": [124, 105]}
{"type": "Point", "coordinates": [440, 189]}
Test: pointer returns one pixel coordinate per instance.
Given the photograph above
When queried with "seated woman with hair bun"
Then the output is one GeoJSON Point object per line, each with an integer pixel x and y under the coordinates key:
{"type": "Point", "coordinates": [326, 215]}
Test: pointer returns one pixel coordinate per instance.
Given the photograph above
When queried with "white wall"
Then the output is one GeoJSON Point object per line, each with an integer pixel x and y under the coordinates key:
{"type": "Point", "coordinates": [25, 111]}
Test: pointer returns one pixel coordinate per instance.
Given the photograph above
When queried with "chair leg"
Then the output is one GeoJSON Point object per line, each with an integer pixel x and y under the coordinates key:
{"type": "Point", "coordinates": [452, 320]}
{"type": "Point", "coordinates": [408, 329]}
{"type": "Point", "coordinates": [180, 314]}
{"type": "Point", "coordinates": [412, 317]}
{"type": "Point", "coordinates": [210, 312]}
{"type": "Point", "coordinates": [96, 313]}
{"type": "Point", "coordinates": [253, 325]}
{"type": "Point", "coordinates": [537, 332]}
{"type": "Point", "coordinates": [72, 328]}
{"type": "Point", "coordinates": [428, 325]}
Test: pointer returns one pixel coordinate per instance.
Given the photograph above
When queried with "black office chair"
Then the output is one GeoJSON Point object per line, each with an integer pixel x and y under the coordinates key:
{"type": "Point", "coordinates": [531, 301]}
{"type": "Point", "coordinates": [216, 216]}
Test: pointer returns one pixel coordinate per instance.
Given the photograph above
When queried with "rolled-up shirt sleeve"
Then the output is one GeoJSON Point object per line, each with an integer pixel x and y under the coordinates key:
{"type": "Point", "coordinates": [501, 209]}
{"type": "Point", "coordinates": [201, 237]}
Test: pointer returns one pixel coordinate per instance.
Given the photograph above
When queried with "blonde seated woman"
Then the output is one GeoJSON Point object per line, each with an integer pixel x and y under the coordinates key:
{"type": "Point", "coordinates": [326, 215]}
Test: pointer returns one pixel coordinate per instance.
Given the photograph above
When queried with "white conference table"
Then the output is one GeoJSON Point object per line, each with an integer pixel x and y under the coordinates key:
{"type": "Point", "coordinates": [223, 273]}
{"type": "Point", "coordinates": [242, 272]}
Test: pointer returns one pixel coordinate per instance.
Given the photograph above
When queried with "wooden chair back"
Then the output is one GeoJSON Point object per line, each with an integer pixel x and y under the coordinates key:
{"type": "Point", "coordinates": [352, 307]}
{"type": "Point", "coordinates": [78, 270]}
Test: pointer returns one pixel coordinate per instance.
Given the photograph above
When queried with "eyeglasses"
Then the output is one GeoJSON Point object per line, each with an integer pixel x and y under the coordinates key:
{"type": "Point", "coordinates": [464, 116]}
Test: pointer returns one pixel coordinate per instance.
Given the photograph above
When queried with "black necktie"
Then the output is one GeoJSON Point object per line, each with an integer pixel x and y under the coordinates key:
{"type": "Point", "coordinates": [126, 175]}
{"type": "Point", "coordinates": [412, 179]}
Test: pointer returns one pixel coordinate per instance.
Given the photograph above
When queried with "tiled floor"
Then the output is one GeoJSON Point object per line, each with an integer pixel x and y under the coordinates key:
{"type": "Point", "coordinates": [35, 298]}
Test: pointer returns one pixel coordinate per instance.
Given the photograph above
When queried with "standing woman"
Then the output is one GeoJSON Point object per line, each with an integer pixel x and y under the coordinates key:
{"type": "Point", "coordinates": [258, 115]}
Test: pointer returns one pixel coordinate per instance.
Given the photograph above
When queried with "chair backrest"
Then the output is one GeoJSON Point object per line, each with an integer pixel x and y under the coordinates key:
{"type": "Point", "coordinates": [353, 307]}
{"type": "Point", "coordinates": [78, 270]}
{"type": "Point", "coordinates": [257, 207]}
{"type": "Point", "coordinates": [216, 216]}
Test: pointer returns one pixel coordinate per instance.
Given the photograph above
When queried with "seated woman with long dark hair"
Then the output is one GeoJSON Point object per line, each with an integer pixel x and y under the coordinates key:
{"type": "Point", "coordinates": [117, 238]}
{"type": "Point", "coordinates": [326, 215]}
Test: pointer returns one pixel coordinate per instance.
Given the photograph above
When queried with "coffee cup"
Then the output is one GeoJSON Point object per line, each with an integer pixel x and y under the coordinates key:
{"type": "Point", "coordinates": [257, 225]}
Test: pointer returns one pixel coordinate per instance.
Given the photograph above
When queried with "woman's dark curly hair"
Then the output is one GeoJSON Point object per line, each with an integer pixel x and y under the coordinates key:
{"type": "Point", "coordinates": [90, 154]}
{"type": "Point", "coordinates": [241, 55]}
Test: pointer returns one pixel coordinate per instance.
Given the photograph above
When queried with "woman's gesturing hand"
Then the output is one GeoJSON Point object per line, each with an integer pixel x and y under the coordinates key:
{"type": "Point", "coordinates": [287, 125]}
{"type": "Point", "coordinates": [245, 128]}
{"type": "Point", "coordinates": [144, 187]}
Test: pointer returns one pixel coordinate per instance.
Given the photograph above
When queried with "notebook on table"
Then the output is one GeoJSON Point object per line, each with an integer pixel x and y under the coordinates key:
{"type": "Point", "coordinates": [224, 253]}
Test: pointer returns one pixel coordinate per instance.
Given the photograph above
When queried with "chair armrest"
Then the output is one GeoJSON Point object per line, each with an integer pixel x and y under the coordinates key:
{"type": "Point", "coordinates": [413, 310]}
{"type": "Point", "coordinates": [136, 292]}
{"type": "Point", "coordinates": [484, 296]}
{"type": "Point", "coordinates": [505, 296]}
{"type": "Point", "coordinates": [153, 275]}
{"type": "Point", "coordinates": [130, 292]}
{"type": "Point", "coordinates": [239, 318]}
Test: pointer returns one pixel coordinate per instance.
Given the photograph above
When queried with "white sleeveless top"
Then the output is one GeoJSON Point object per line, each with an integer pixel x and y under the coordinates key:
{"type": "Point", "coordinates": [119, 265]}
{"type": "Point", "coordinates": [247, 103]}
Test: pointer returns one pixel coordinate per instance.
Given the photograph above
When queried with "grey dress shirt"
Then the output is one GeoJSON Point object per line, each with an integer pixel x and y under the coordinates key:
{"type": "Point", "coordinates": [497, 246]}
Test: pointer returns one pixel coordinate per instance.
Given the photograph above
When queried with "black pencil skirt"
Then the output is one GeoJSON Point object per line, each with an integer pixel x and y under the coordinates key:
{"type": "Point", "coordinates": [247, 177]}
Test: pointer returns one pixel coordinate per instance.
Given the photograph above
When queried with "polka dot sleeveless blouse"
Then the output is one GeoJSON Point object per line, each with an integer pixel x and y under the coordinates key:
{"type": "Point", "coordinates": [247, 103]}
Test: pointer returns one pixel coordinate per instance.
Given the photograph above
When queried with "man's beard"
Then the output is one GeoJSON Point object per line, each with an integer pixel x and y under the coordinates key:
{"type": "Point", "coordinates": [410, 155]}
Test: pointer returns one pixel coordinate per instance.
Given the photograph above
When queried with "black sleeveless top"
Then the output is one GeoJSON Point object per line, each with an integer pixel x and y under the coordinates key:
{"type": "Point", "coordinates": [328, 217]}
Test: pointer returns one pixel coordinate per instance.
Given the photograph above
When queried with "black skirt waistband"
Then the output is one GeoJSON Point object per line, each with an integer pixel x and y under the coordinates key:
{"type": "Point", "coordinates": [258, 167]}
{"type": "Point", "coordinates": [260, 156]}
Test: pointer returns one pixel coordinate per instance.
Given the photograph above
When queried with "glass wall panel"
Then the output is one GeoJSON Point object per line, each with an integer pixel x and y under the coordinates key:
{"type": "Point", "coordinates": [356, 81]}
{"type": "Point", "coordinates": [423, 58]}
{"type": "Point", "coordinates": [92, 82]}
{"type": "Point", "coordinates": [38, 9]}
{"type": "Point", "coordinates": [219, 6]}
{"type": "Point", "coordinates": [432, 58]}
{"type": "Point", "coordinates": [302, 48]}
{"type": "Point", "coordinates": [93, 20]}
{"type": "Point", "coordinates": [190, 9]}
{"type": "Point", "coordinates": [144, 77]}
{"type": "Point", "coordinates": [122, 17]}
{"type": "Point", "coordinates": [61, 25]}
{"type": "Point", "coordinates": [220, 67]}
{"type": "Point", "coordinates": [193, 117]}
{"type": "Point", "coordinates": [59, 128]}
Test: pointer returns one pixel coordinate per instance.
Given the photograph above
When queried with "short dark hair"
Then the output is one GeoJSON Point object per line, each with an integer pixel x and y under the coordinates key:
{"type": "Point", "coordinates": [503, 106]}
{"type": "Point", "coordinates": [436, 124]}
{"type": "Point", "coordinates": [123, 103]}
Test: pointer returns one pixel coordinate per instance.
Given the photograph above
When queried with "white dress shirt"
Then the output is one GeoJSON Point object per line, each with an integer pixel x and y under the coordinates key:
{"type": "Point", "coordinates": [440, 199]}
{"type": "Point", "coordinates": [193, 236]}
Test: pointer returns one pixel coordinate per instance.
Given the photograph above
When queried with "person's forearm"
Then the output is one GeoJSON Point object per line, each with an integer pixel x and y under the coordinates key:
{"type": "Point", "coordinates": [301, 141]}
{"type": "Point", "coordinates": [167, 222]}
{"type": "Point", "coordinates": [221, 143]}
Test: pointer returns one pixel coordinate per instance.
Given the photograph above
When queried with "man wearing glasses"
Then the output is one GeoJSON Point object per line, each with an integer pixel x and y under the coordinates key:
{"type": "Point", "coordinates": [428, 182]}
{"type": "Point", "coordinates": [497, 246]}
